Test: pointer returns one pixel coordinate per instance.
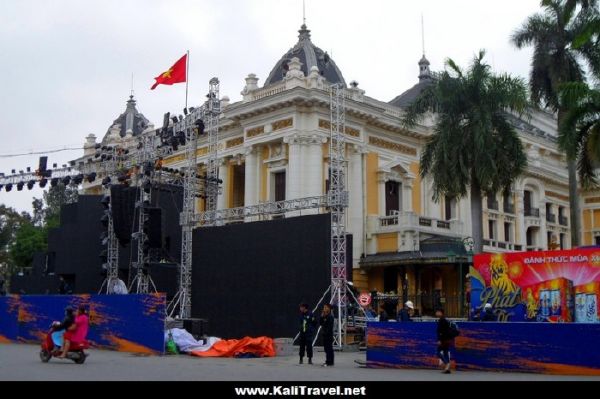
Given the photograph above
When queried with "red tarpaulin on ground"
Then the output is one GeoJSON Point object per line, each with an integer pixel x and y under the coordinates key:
{"type": "Point", "coordinates": [259, 347]}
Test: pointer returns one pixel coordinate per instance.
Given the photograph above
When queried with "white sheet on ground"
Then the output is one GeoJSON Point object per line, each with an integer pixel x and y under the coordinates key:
{"type": "Point", "coordinates": [186, 343]}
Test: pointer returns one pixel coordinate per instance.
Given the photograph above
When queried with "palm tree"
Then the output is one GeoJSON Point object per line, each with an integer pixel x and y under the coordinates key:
{"type": "Point", "coordinates": [556, 35]}
{"type": "Point", "coordinates": [474, 147]}
{"type": "Point", "coordinates": [580, 129]}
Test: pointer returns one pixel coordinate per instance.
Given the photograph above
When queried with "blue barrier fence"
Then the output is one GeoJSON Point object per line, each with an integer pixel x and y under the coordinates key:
{"type": "Point", "coordinates": [566, 348]}
{"type": "Point", "coordinates": [128, 323]}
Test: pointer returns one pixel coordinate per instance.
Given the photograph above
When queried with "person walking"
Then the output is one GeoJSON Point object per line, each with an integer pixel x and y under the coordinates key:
{"type": "Point", "coordinates": [326, 322]}
{"type": "Point", "coordinates": [446, 332]}
{"type": "Point", "coordinates": [306, 334]}
{"type": "Point", "coordinates": [488, 314]}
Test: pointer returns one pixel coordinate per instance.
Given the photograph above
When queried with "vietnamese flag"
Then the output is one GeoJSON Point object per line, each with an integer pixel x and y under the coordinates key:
{"type": "Point", "coordinates": [176, 74]}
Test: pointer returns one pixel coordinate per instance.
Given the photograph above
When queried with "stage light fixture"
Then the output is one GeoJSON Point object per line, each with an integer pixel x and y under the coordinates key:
{"type": "Point", "coordinates": [55, 165]}
{"type": "Point", "coordinates": [1, 185]}
{"type": "Point", "coordinates": [174, 119]}
{"type": "Point", "coordinates": [8, 187]}
{"type": "Point", "coordinates": [30, 184]}
{"type": "Point", "coordinates": [91, 177]}
{"type": "Point", "coordinates": [105, 201]}
{"type": "Point", "coordinates": [106, 181]}
{"type": "Point", "coordinates": [20, 186]}
{"type": "Point", "coordinates": [43, 183]}
{"type": "Point", "coordinates": [13, 171]}
{"type": "Point", "coordinates": [98, 145]}
{"type": "Point", "coordinates": [28, 169]}
{"type": "Point", "coordinates": [185, 111]}
{"type": "Point", "coordinates": [77, 180]}
{"type": "Point", "coordinates": [147, 187]}
{"type": "Point", "coordinates": [66, 180]}
{"type": "Point", "coordinates": [54, 182]}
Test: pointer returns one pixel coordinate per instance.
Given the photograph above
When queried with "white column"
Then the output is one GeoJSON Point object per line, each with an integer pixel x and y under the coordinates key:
{"type": "Point", "coordinates": [520, 219]}
{"type": "Point", "coordinates": [251, 182]}
{"type": "Point", "coordinates": [355, 206]}
{"type": "Point", "coordinates": [407, 194]}
{"type": "Point", "coordinates": [543, 239]}
{"type": "Point", "coordinates": [294, 175]}
{"type": "Point", "coordinates": [223, 175]}
{"type": "Point", "coordinates": [313, 167]}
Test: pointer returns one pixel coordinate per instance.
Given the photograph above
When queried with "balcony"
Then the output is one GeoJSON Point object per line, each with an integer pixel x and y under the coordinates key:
{"type": "Point", "coordinates": [509, 208]}
{"type": "Point", "coordinates": [550, 217]}
{"type": "Point", "coordinates": [409, 221]}
{"type": "Point", "coordinates": [501, 245]}
{"type": "Point", "coordinates": [492, 204]}
{"type": "Point", "coordinates": [532, 212]}
{"type": "Point", "coordinates": [563, 220]}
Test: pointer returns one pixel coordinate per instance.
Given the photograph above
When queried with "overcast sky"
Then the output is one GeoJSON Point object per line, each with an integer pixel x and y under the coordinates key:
{"type": "Point", "coordinates": [66, 65]}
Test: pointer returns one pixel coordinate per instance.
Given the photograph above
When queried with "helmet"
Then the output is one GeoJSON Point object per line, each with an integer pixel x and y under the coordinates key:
{"type": "Point", "coordinates": [409, 305]}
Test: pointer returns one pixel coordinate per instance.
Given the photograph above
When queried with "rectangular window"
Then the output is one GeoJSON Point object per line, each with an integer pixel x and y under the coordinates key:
{"type": "Point", "coordinates": [392, 197]}
{"type": "Point", "coordinates": [507, 237]}
{"type": "Point", "coordinates": [492, 229]}
{"type": "Point", "coordinates": [549, 235]}
{"type": "Point", "coordinates": [448, 208]}
{"type": "Point", "coordinates": [527, 200]}
{"type": "Point", "coordinates": [280, 186]}
{"type": "Point", "coordinates": [563, 244]}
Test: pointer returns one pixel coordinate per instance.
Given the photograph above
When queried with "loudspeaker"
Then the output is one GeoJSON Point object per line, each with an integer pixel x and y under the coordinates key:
{"type": "Point", "coordinates": [154, 230]}
{"type": "Point", "coordinates": [122, 200]}
{"type": "Point", "coordinates": [196, 327]}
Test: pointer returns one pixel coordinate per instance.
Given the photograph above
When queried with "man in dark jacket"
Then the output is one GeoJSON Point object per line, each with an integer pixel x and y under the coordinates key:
{"type": "Point", "coordinates": [383, 314]}
{"type": "Point", "coordinates": [406, 312]}
{"type": "Point", "coordinates": [326, 322]}
{"type": "Point", "coordinates": [445, 340]}
{"type": "Point", "coordinates": [487, 314]}
{"type": "Point", "coordinates": [306, 334]}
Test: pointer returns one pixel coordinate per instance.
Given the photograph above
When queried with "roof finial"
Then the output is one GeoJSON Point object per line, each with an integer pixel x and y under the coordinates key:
{"type": "Point", "coordinates": [304, 12]}
{"type": "Point", "coordinates": [423, 34]}
{"type": "Point", "coordinates": [132, 92]}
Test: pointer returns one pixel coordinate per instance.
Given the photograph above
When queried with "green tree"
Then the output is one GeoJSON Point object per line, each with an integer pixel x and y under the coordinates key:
{"type": "Point", "coordinates": [29, 239]}
{"type": "Point", "coordinates": [10, 221]}
{"type": "Point", "coordinates": [473, 147]}
{"type": "Point", "coordinates": [580, 129]}
{"type": "Point", "coordinates": [54, 199]}
{"type": "Point", "coordinates": [556, 35]}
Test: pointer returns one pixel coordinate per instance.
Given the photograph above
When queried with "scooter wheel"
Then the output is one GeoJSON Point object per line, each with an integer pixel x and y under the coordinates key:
{"type": "Point", "coordinates": [80, 359]}
{"type": "Point", "coordinates": [45, 356]}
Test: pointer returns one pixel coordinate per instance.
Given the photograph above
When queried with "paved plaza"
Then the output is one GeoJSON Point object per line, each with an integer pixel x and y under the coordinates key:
{"type": "Point", "coordinates": [21, 362]}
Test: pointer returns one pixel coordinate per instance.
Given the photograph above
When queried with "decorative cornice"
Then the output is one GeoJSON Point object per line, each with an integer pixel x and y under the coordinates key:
{"type": "Point", "coordinates": [350, 131]}
{"type": "Point", "coordinates": [299, 139]}
{"type": "Point", "coordinates": [234, 142]}
{"type": "Point", "coordinates": [282, 124]}
{"type": "Point", "coordinates": [255, 131]}
{"type": "Point", "coordinates": [388, 145]}
{"type": "Point", "coordinates": [557, 196]}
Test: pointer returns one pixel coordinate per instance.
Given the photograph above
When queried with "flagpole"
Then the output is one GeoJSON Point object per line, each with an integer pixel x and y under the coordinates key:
{"type": "Point", "coordinates": [187, 76]}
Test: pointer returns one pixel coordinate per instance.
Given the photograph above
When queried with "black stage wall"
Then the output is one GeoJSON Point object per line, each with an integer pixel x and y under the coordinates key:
{"type": "Point", "coordinates": [248, 279]}
{"type": "Point", "coordinates": [74, 247]}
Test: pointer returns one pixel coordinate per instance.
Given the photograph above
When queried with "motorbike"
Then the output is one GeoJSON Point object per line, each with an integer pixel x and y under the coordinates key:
{"type": "Point", "coordinates": [49, 350]}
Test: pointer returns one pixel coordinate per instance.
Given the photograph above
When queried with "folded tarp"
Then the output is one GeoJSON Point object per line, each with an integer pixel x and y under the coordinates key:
{"type": "Point", "coordinates": [186, 342]}
{"type": "Point", "coordinates": [245, 347]}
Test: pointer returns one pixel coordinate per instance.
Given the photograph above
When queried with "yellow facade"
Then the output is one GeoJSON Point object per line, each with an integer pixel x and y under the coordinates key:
{"type": "Point", "coordinates": [387, 243]}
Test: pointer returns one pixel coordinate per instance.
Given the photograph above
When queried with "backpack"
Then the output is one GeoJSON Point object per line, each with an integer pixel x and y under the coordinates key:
{"type": "Point", "coordinates": [453, 330]}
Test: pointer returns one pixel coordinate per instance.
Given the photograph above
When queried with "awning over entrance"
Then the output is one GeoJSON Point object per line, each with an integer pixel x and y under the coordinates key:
{"type": "Point", "coordinates": [432, 250]}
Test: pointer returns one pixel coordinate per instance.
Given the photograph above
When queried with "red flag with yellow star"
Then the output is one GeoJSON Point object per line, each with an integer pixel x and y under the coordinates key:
{"type": "Point", "coordinates": [176, 74]}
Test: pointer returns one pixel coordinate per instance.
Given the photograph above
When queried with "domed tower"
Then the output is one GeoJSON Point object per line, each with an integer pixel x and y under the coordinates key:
{"type": "Point", "coordinates": [131, 122]}
{"type": "Point", "coordinates": [310, 56]}
{"type": "Point", "coordinates": [425, 80]}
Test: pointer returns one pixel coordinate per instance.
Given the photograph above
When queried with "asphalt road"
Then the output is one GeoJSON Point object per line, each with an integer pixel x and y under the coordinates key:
{"type": "Point", "coordinates": [21, 362]}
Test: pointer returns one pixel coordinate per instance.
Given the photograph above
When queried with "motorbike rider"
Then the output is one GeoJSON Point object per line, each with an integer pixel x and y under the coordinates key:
{"type": "Point", "coordinates": [76, 333]}
{"type": "Point", "coordinates": [59, 328]}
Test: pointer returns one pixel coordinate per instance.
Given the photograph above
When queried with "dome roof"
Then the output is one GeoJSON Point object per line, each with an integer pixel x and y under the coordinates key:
{"type": "Point", "coordinates": [410, 95]}
{"type": "Point", "coordinates": [310, 56]}
{"type": "Point", "coordinates": [130, 121]}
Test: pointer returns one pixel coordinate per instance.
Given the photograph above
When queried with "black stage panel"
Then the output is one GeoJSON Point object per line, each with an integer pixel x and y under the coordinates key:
{"type": "Point", "coordinates": [248, 279]}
